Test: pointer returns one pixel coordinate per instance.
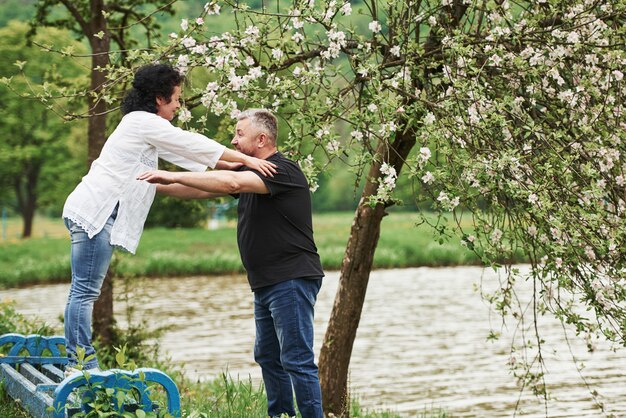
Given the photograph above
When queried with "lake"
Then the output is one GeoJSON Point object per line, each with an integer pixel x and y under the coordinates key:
{"type": "Point", "coordinates": [421, 344]}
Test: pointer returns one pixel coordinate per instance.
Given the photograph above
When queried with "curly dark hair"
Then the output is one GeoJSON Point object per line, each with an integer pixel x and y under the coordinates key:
{"type": "Point", "coordinates": [151, 81]}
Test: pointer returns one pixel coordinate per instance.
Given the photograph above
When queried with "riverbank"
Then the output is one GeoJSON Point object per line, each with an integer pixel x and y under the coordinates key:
{"type": "Point", "coordinates": [187, 252]}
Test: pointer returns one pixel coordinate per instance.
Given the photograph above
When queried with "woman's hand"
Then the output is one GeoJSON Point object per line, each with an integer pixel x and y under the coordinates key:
{"type": "Point", "coordinates": [158, 177]}
{"type": "Point", "coordinates": [265, 167]}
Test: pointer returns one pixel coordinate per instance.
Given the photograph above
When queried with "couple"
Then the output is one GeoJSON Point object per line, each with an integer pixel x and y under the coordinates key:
{"type": "Point", "coordinates": [274, 231]}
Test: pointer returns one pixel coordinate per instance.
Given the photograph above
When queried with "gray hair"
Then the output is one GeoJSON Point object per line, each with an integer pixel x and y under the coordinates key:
{"type": "Point", "coordinates": [262, 119]}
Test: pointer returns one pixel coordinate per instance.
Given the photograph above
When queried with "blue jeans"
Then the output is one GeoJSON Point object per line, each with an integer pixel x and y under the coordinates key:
{"type": "Point", "coordinates": [90, 259]}
{"type": "Point", "coordinates": [283, 314]}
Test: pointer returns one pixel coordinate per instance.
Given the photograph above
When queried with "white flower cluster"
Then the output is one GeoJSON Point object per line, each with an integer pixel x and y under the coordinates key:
{"type": "Point", "coordinates": [310, 171]}
{"type": "Point", "coordinates": [386, 183]}
{"type": "Point", "coordinates": [446, 202]}
{"type": "Point", "coordinates": [337, 40]}
{"type": "Point", "coordinates": [212, 8]}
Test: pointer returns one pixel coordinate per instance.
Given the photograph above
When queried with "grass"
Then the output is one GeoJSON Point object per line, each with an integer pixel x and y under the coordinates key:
{"type": "Point", "coordinates": [177, 252]}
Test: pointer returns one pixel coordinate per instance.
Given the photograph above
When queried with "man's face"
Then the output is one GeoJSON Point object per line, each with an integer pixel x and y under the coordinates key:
{"type": "Point", "coordinates": [167, 110]}
{"type": "Point", "coordinates": [246, 138]}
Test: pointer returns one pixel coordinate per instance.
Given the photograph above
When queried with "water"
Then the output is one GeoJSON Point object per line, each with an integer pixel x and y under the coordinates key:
{"type": "Point", "coordinates": [421, 343]}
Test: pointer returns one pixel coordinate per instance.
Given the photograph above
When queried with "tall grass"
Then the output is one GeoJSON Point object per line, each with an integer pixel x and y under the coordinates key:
{"type": "Point", "coordinates": [176, 252]}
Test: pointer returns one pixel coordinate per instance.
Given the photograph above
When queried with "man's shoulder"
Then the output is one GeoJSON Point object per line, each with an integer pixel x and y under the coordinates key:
{"type": "Point", "coordinates": [279, 159]}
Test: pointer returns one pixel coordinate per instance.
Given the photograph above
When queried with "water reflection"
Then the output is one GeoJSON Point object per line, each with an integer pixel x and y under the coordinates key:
{"type": "Point", "coordinates": [421, 342]}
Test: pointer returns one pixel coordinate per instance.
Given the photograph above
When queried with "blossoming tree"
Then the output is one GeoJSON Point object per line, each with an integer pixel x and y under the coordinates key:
{"type": "Point", "coordinates": [507, 115]}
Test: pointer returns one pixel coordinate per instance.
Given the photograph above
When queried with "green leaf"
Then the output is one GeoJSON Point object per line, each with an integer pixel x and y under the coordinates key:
{"type": "Point", "coordinates": [20, 64]}
{"type": "Point", "coordinates": [120, 358]}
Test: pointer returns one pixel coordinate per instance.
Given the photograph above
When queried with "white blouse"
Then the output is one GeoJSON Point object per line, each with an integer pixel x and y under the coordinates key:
{"type": "Point", "coordinates": [134, 147]}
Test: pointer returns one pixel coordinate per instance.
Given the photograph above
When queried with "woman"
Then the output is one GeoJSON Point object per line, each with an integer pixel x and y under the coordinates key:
{"type": "Point", "coordinates": [109, 206]}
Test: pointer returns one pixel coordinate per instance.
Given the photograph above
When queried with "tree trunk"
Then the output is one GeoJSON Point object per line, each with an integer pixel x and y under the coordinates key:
{"type": "Point", "coordinates": [103, 308]}
{"type": "Point", "coordinates": [30, 204]}
{"type": "Point", "coordinates": [334, 361]}
{"type": "Point", "coordinates": [26, 193]}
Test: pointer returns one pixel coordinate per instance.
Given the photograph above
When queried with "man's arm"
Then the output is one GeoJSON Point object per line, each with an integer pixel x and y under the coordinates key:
{"type": "Point", "coordinates": [185, 192]}
{"type": "Point", "coordinates": [216, 182]}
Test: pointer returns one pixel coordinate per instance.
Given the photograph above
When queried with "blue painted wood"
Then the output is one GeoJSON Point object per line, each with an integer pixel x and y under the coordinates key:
{"type": "Point", "coordinates": [119, 380]}
{"type": "Point", "coordinates": [34, 344]}
{"type": "Point", "coordinates": [18, 387]}
{"type": "Point", "coordinates": [39, 361]}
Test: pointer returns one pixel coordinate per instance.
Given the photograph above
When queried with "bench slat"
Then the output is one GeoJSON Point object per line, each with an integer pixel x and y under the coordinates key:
{"type": "Point", "coordinates": [18, 387]}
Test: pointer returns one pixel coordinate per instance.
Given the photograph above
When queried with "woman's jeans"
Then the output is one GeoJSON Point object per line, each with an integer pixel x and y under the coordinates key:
{"type": "Point", "coordinates": [283, 314]}
{"type": "Point", "coordinates": [90, 260]}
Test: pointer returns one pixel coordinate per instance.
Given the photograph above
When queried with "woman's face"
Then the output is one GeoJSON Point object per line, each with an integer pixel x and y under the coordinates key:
{"type": "Point", "coordinates": [167, 110]}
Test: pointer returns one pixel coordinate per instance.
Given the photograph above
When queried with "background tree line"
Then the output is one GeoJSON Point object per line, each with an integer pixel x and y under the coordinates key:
{"type": "Point", "coordinates": [43, 157]}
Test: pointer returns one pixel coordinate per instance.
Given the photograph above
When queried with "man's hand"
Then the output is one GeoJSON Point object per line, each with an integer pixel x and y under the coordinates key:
{"type": "Point", "coordinates": [265, 167]}
{"type": "Point", "coordinates": [158, 177]}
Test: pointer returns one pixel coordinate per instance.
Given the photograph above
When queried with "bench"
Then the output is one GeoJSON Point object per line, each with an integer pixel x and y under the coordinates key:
{"type": "Point", "coordinates": [32, 374]}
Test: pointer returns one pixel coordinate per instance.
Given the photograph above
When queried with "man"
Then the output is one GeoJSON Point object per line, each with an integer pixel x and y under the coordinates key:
{"type": "Point", "coordinates": [275, 237]}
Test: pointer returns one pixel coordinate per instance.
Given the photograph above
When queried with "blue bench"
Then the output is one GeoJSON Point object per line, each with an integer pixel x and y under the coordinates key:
{"type": "Point", "coordinates": [32, 374]}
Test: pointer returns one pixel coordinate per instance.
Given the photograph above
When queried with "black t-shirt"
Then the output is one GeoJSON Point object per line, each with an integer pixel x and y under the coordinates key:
{"type": "Point", "coordinates": [275, 230]}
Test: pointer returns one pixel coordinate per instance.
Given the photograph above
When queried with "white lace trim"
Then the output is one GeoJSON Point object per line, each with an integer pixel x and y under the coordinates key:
{"type": "Point", "coordinates": [81, 222]}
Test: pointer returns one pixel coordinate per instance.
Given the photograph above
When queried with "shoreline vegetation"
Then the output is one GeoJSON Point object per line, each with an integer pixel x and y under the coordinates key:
{"type": "Point", "coordinates": [44, 258]}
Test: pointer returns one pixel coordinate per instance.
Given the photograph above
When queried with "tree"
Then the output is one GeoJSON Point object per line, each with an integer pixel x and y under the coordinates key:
{"type": "Point", "coordinates": [102, 22]}
{"type": "Point", "coordinates": [34, 140]}
{"type": "Point", "coordinates": [514, 114]}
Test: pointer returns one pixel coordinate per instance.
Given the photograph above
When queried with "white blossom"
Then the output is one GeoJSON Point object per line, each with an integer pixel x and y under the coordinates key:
{"type": "Point", "coordinates": [184, 24]}
{"type": "Point", "coordinates": [446, 202]}
{"type": "Point", "coordinates": [212, 9]}
{"type": "Point", "coordinates": [591, 255]}
{"type": "Point", "coordinates": [188, 42]}
{"type": "Point", "coordinates": [473, 114]}
{"type": "Point", "coordinates": [395, 50]}
{"type": "Point", "coordinates": [255, 72]}
{"type": "Point", "coordinates": [428, 177]}
{"type": "Point", "coordinates": [358, 135]}
{"type": "Point", "coordinates": [372, 107]}
{"type": "Point", "coordinates": [184, 115]}
{"type": "Point", "coordinates": [333, 146]}
{"type": "Point", "coordinates": [297, 23]}
{"type": "Point", "coordinates": [496, 59]}
{"type": "Point", "coordinates": [429, 119]}
{"type": "Point", "coordinates": [252, 31]}
{"type": "Point", "coordinates": [200, 49]}
{"type": "Point", "coordinates": [277, 54]}
{"type": "Point", "coordinates": [375, 26]}
{"type": "Point", "coordinates": [346, 9]}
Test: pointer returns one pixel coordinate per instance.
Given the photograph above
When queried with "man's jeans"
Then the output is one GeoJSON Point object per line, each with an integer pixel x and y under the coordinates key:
{"type": "Point", "coordinates": [90, 260]}
{"type": "Point", "coordinates": [284, 346]}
